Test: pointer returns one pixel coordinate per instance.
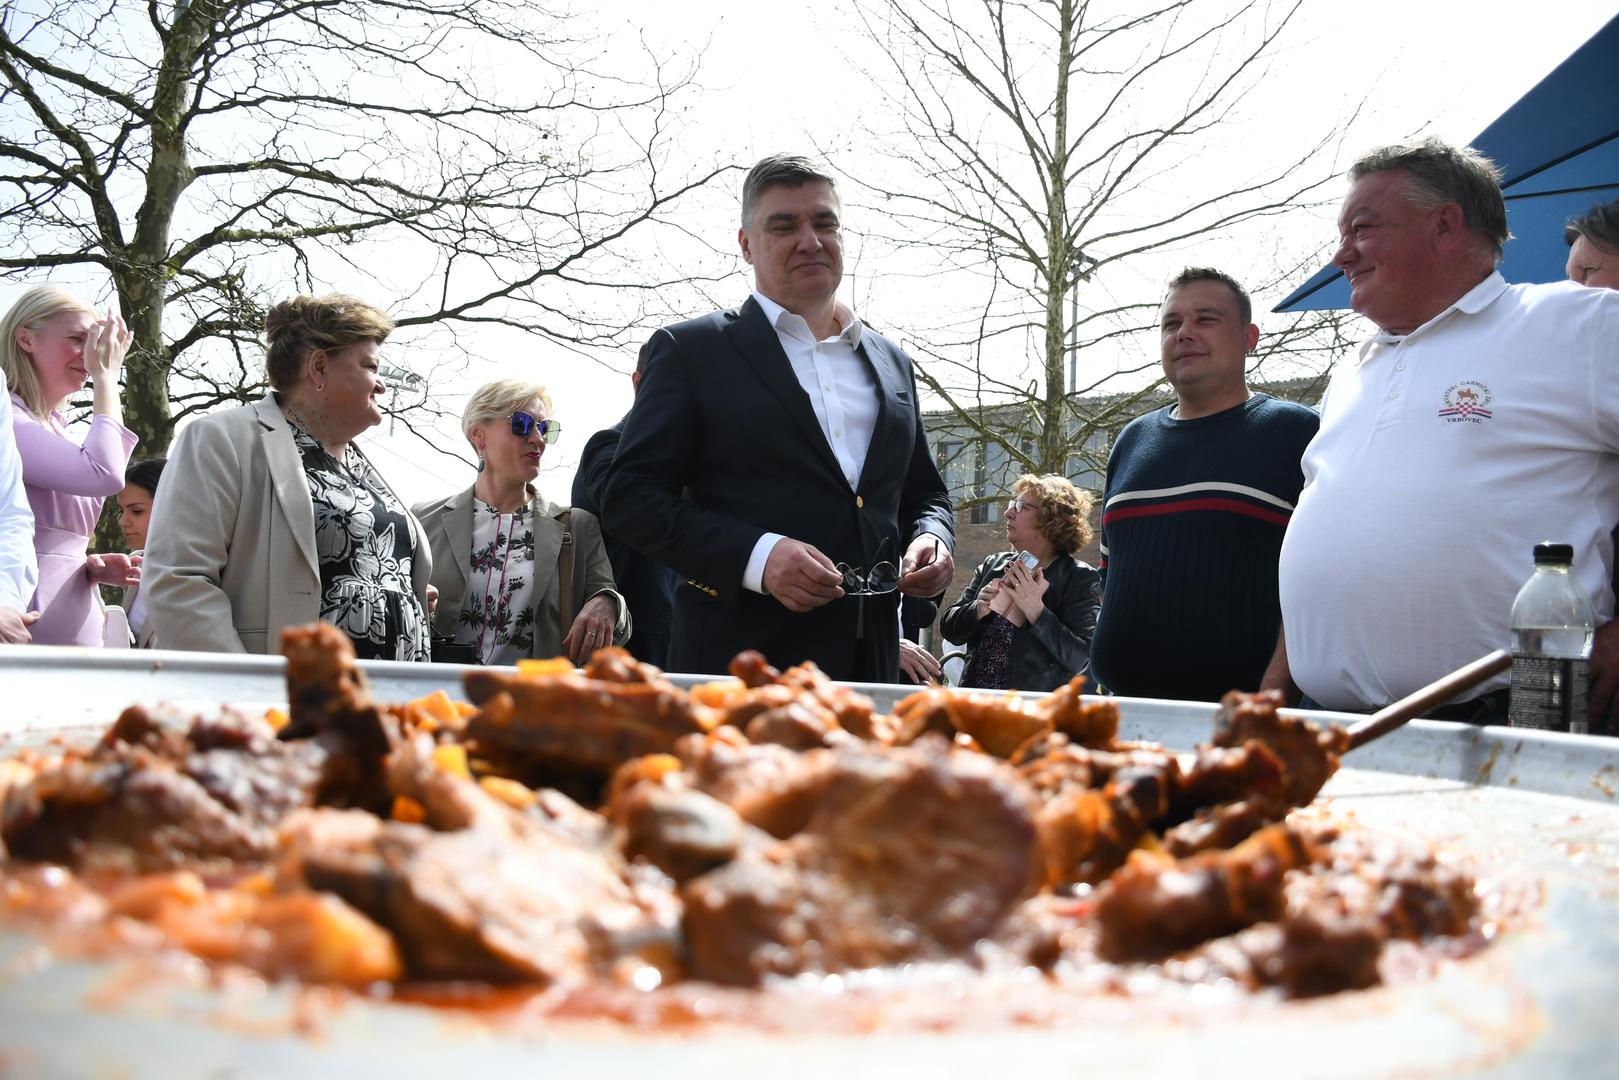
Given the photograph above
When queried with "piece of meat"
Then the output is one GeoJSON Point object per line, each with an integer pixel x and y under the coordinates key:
{"type": "Point", "coordinates": [505, 898]}
{"type": "Point", "coordinates": [538, 723]}
{"type": "Point", "coordinates": [160, 788]}
{"type": "Point", "coordinates": [1085, 835]}
{"type": "Point", "coordinates": [909, 854]}
{"type": "Point", "coordinates": [1003, 723]}
{"type": "Point", "coordinates": [235, 757]}
{"type": "Point", "coordinates": [1305, 954]}
{"type": "Point", "coordinates": [740, 704]}
{"type": "Point", "coordinates": [770, 787]}
{"type": "Point", "coordinates": [1224, 774]}
{"type": "Point", "coordinates": [616, 665]}
{"type": "Point", "coordinates": [230, 729]}
{"type": "Point", "coordinates": [752, 669]}
{"type": "Point", "coordinates": [1093, 723]}
{"type": "Point", "coordinates": [126, 810]}
{"type": "Point", "coordinates": [1403, 887]}
{"type": "Point", "coordinates": [854, 712]}
{"type": "Point", "coordinates": [1155, 906]}
{"type": "Point", "coordinates": [680, 831]}
{"type": "Point", "coordinates": [327, 692]}
{"type": "Point", "coordinates": [161, 730]}
{"type": "Point", "coordinates": [264, 782]}
{"type": "Point", "coordinates": [1324, 952]}
{"type": "Point", "coordinates": [798, 725]}
{"type": "Point", "coordinates": [922, 712]}
{"type": "Point", "coordinates": [1052, 764]}
{"type": "Point", "coordinates": [1221, 826]}
{"type": "Point", "coordinates": [1308, 753]}
{"type": "Point", "coordinates": [999, 723]}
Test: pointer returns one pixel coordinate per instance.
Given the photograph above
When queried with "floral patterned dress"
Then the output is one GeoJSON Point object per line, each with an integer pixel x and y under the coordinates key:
{"type": "Point", "coordinates": [366, 549]}
{"type": "Point", "coordinates": [497, 616]}
{"type": "Point", "coordinates": [991, 661]}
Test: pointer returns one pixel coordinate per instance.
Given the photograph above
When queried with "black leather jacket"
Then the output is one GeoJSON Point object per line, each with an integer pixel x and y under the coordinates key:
{"type": "Point", "coordinates": [1050, 651]}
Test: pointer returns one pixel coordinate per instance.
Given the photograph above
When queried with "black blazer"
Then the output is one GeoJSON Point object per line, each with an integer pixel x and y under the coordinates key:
{"type": "Point", "coordinates": [648, 586]}
{"type": "Point", "coordinates": [1050, 651]}
{"type": "Point", "coordinates": [721, 417]}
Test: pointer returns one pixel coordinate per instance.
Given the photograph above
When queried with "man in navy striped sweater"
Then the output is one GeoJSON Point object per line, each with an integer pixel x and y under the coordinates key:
{"type": "Point", "coordinates": [1198, 496]}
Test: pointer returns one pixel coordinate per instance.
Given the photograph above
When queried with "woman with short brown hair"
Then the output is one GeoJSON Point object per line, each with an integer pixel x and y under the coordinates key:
{"type": "Point", "coordinates": [270, 516]}
{"type": "Point", "coordinates": [1028, 615]}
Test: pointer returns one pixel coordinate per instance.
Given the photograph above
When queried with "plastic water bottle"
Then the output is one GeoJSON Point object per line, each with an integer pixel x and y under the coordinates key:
{"type": "Point", "coordinates": [1552, 627]}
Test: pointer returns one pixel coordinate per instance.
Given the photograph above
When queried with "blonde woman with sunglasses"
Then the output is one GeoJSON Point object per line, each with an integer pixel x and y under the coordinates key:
{"type": "Point", "coordinates": [517, 576]}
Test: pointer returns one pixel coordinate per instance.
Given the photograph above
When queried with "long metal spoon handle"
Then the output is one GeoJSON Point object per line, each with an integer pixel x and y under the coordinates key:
{"type": "Point", "coordinates": [1437, 692]}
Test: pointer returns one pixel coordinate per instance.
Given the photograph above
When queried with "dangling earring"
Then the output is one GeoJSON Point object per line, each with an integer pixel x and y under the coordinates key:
{"type": "Point", "coordinates": [480, 463]}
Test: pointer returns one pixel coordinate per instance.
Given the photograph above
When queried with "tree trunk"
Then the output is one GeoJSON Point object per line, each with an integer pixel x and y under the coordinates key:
{"type": "Point", "coordinates": [1059, 260]}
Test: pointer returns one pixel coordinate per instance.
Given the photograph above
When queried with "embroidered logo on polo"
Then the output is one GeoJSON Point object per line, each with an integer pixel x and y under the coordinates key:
{"type": "Point", "coordinates": [1467, 403]}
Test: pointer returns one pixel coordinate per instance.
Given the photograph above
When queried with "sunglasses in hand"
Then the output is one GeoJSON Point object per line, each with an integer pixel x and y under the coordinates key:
{"type": "Point", "coordinates": [524, 424]}
{"type": "Point", "coordinates": [883, 577]}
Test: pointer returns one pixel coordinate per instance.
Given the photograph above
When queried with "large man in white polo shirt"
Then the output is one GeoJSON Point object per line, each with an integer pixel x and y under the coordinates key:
{"type": "Point", "coordinates": [1480, 419]}
{"type": "Point", "coordinates": [775, 458]}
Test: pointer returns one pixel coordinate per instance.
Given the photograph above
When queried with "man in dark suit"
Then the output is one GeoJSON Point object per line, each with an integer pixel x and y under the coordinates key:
{"type": "Point", "coordinates": [648, 586]}
{"type": "Point", "coordinates": [795, 434]}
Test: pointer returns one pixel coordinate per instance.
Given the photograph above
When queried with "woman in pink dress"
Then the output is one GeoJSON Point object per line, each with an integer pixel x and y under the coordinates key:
{"type": "Point", "coordinates": [51, 342]}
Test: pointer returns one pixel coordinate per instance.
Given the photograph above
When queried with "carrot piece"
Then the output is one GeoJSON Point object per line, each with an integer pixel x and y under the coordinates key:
{"type": "Point", "coordinates": [514, 794]}
{"type": "Point", "coordinates": [408, 810]}
{"type": "Point", "coordinates": [452, 758]}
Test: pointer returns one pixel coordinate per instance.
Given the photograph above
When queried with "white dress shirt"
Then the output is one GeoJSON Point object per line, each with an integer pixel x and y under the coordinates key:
{"type": "Point", "coordinates": [19, 569]}
{"type": "Point", "coordinates": [842, 391]}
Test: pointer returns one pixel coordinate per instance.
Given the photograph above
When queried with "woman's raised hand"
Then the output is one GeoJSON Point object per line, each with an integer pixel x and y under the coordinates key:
{"type": "Point", "coordinates": [1027, 590]}
{"type": "Point", "coordinates": [105, 346]}
{"type": "Point", "coordinates": [986, 598]}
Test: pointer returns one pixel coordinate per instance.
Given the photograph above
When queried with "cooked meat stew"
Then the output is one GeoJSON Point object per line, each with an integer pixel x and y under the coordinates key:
{"type": "Point", "coordinates": [604, 826]}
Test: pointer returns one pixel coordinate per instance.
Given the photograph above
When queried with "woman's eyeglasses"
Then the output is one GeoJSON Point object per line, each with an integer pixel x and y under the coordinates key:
{"type": "Point", "coordinates": [1018, 506]}
{"type": "Point", "coordinates": [523, 425]}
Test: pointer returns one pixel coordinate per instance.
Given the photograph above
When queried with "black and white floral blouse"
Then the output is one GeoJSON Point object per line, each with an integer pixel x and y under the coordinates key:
{"type": "Point", "coordinates": [497, 615]}
{"type": "Point", "coordinates": [366, 548]}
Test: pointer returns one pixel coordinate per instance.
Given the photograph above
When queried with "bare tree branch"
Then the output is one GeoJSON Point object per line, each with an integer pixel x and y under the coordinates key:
{"type": "Point", "coordinates": [1027, 149]}
{"type": "Point", "coordinates": [213, 155]}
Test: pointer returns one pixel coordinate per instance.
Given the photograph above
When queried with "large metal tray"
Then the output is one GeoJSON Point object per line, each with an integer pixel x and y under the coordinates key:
{"type": "Point", "coordinates": [1523, 807]}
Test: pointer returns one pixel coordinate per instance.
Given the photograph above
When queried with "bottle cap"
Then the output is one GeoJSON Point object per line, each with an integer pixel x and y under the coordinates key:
{"type": "Point", "coordinates": [1548, 552]}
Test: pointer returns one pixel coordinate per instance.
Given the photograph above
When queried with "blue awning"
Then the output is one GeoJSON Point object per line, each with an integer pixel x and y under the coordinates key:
{"type": "Point", "coordinates": [1558, 148]}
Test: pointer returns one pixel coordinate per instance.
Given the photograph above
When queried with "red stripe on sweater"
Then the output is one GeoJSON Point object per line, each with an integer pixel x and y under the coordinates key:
{"type": "Point", "coordinates": [1231, 506]}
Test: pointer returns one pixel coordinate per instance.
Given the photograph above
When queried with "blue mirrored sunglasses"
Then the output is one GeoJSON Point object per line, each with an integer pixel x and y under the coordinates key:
{"type": "Point", "coordinates": [523, 424]}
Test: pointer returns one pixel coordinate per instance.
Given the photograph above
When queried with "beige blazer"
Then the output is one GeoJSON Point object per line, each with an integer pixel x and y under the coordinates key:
{"type": "Point", "coordinates": [230, 556]}
{"type": "Point", "coordinates": [448, 523]}
{"type": "Point", "coordinates": [143, 640]}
